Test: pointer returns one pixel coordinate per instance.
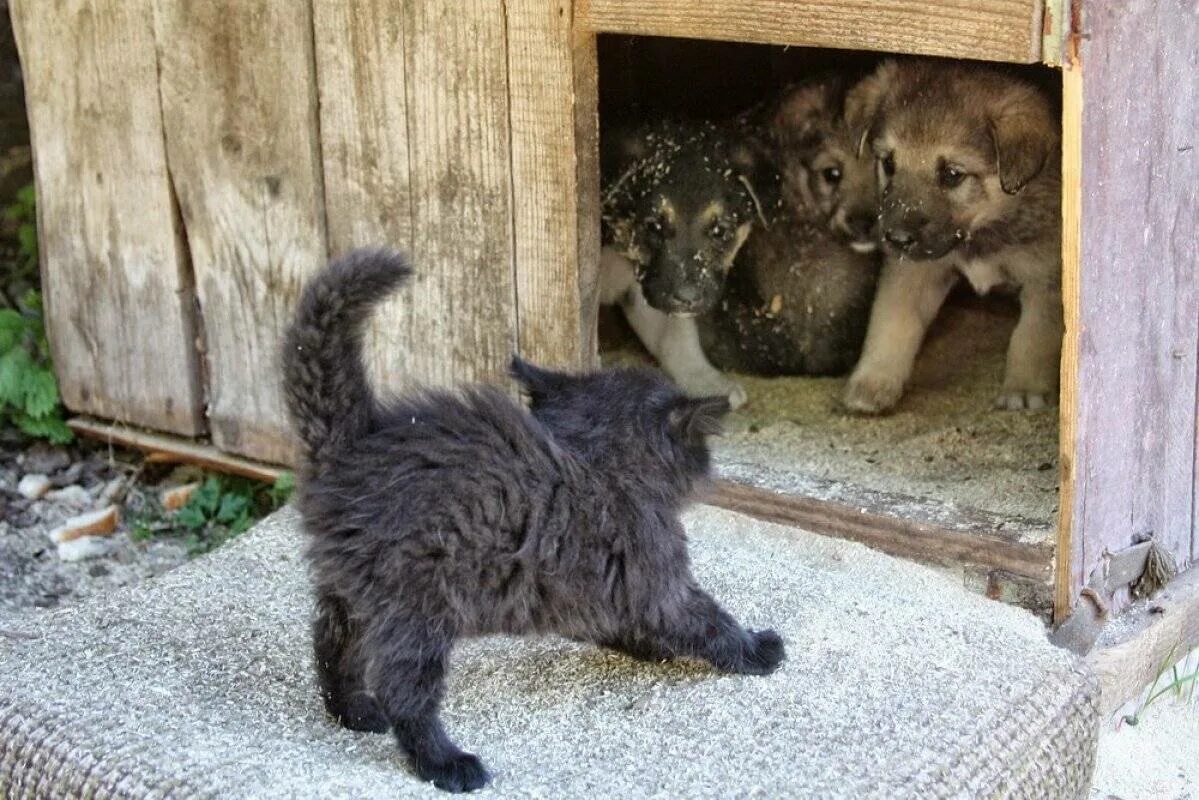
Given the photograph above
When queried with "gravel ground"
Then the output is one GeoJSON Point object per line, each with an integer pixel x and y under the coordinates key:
{"type": "Point", "coordinates": [83, 477]}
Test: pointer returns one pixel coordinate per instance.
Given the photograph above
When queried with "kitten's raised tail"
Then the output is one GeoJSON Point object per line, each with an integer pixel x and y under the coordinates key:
{"type": "Point", "coordinates": [324, 379]}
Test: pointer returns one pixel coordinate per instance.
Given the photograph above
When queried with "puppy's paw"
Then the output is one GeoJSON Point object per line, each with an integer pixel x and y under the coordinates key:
{"type": "Point", "coordinates": [872, 393]}
{"type": "Point", "coordinates": [462, 772]}
{"type": "Point", "coordinates": [764, 653]}
{"type": "Point", "coordinates": [1017, 400]}
{"type": "Point", "coordinates": [714, 384]}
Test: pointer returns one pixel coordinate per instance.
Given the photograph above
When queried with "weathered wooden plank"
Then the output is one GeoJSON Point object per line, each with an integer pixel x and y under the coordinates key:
{"type": "Point", "coordinates": [239, 108]}
{"type": "Point", "coordinates": [998, 30]}
{"type": "Point", "coordinates": [552, 271]}
{"type": "Point", "coordinates": [463, 324]}
{"type": "Point", "coordinates": [173, 450]}
{"type": "Point", "coordinates": [1139, 292]}
{"type": "Point", "coordinates": [116, 282]}
{"type": "Point", "coordinates": [1069, 575]}
{"type": "Point", "coordinates": [587, 181]}
{"type": "Point", "coordinates": [361, 75]}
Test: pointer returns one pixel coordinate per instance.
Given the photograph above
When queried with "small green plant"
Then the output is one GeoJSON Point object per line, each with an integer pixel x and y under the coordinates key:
{"type": "Point", "coordinates": [28, 389]}
{"type": "Point", "coordinates": [224, 507]}
{"type": "Point", "coordinates": [29, 396]}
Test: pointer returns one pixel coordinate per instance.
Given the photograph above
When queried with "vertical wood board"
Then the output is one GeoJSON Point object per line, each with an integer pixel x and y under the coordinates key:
{"type": "Point", "coordinates": [551, 276]}
{"type": "Point", "coordinates": [463, 326]}
{"type": "Point", "coordinates": [117, 290]}
{"type": "Point", "coordinates": [361, 75]}
{"type": "Point", "coordinates": [239, 107]}
{"type": "Point", "coordinates": [1135, 469]}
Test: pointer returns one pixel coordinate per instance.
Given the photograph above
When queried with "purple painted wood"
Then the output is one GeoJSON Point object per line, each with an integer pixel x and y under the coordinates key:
{"type": "Point", "coordinates": [1136, 468]}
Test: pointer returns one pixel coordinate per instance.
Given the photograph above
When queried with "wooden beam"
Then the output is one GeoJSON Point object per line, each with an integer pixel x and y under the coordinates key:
{"type": "Point", "coordinates": [1155, 631]}
{"type": "Point", "coordinates": [895, 535]}
{"type": "Point", "coordinates": [1068, 575]}
{"type": "Point", "coordinates": [170, 449]}
{"type": "Point", "coordinates": [997, 30]}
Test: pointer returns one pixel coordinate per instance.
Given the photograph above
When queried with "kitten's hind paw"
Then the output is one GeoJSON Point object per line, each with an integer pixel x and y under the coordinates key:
{"type": "Point", "coordinates": [462, 772]}
{"type": "Point", "coordinates": [362, 714]}
{"type": "Point", "coordinates": [765, 654]}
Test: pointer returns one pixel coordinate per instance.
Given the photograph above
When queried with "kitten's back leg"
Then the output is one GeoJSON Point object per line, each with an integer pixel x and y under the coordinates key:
{"type": "Point", "coordinates": [408, 665]}
{"type": "Point", "coordinates": [340, 673]}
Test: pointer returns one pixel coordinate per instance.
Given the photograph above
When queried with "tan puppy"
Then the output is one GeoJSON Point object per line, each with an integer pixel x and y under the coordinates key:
{"type": "Point", "coordinates": [969, 185]}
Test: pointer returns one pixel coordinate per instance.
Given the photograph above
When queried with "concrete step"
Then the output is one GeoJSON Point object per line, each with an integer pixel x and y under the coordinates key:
{"type": "Point", "coordinates": [898, 684]}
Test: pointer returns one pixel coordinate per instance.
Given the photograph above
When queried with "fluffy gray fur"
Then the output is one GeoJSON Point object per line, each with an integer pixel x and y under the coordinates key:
{"type": "Point", "coordinates": [442, 515]}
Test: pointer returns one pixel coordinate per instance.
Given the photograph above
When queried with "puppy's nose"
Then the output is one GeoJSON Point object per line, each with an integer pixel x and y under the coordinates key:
{"type": "Point", "coordinates": [685, 294]}
{"type": "Point", "coordinates": [861, 224]}
{"type": "Point", "coordinates": [901, 237]}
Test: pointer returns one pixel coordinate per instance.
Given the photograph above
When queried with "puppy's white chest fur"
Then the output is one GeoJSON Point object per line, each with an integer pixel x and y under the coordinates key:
{"type": "Point", "coordinates": [984, 274]}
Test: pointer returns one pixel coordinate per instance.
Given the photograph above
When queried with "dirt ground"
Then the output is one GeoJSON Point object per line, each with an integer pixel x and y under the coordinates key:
{"type": "Point", "coordinates": [944, 442]}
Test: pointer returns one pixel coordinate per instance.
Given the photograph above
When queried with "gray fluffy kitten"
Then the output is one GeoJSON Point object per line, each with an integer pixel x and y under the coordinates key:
{"type": "Point", "coordinates": [442, 515]}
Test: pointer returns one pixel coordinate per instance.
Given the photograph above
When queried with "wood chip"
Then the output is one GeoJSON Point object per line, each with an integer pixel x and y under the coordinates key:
{"type": "Point", "coordinates": [82, 548]}
{"type": "Point", "coordinates": [33, 486]}
{"type": "Point", "coordinates": [176, 497]}
{"type": "Point", "coordinates": [96, 523]}
{"type": "Point", "coordinates": [776, 304]}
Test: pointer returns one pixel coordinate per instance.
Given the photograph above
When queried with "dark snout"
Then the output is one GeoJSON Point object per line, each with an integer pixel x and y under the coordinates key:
{"type": "Point", "coordinates": [912, 233]}
{"type": "Point", "coordinates": [682, 284]}
{"type": "Point", "coordinates": [861, 229]}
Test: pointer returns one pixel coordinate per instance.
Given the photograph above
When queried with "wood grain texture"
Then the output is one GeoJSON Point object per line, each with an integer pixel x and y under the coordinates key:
{"type": "Point", "coordinates": [173, 450]}
{"type": "Point", "coordinates": [997, 30]}
{"type": "Point", "coordinates": [552, 273]}
{"type": "Point", "coordinates": [1134, 469]}
{"type": "Point", "coordinates": [587, 170]}
{"type": "Point", "coordinates": [1069, 575]}
{"type": "Point", "coordinates": [361, 74]}
{"type": "Point", "coordinates": [1146, 640]}
{"type": "Point", "coordinates": [962, 544]}
{"type": "Point", "coordinates": [463, 324]}
{"type": "Point", "coordinates": [239, 108]}
{"type": "Point", "coordinates": [116, 283]}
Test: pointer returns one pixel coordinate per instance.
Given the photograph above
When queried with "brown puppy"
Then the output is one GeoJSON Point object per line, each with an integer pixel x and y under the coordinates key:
{"type": "Point", "coordinates": [798, 300]}
{"type": "Point", "coordinates": [970, 185]}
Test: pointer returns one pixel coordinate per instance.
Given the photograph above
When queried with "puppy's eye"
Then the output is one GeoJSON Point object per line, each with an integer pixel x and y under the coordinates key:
{"type": "Point", "coordinates": [888, 164]}
{"type": "Point", "coordinates": [654, 225]}
{"type": "Point", "coordinates": [718, 231]}
{"type": "Point", "coordinates": [831, 175]}
{"type": "Point", "coordinates": [950, 177]}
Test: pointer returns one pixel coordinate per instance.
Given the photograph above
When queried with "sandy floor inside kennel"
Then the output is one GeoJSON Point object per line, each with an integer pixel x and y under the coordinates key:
{"type": "Point", "coordinates": [944, 443]}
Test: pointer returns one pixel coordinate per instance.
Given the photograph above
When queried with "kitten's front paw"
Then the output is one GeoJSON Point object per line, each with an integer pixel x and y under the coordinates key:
{"type": "Point", "coordinates": [1017, 400]}
{"type": "Point", "coordinates": [872, 393]}
{"type": "Point", "coordinates": [461, 773]}
{"type": "Point", "coordinates": [765, 654]}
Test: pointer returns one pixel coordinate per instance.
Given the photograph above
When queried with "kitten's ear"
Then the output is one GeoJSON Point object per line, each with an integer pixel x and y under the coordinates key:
{"type": "Point", "coordinates": [537, 382]}
{"type": "Point", "coordinates": [693, 419]}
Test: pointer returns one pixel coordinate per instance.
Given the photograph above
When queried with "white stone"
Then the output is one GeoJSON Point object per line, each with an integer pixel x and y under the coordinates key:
{"type": "Point", "coordinates": [83, 548]}
{"type": "Point", "coordinates": [33, 486]}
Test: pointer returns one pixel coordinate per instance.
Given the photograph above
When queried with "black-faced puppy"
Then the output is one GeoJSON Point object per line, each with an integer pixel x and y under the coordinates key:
{"type": "Point", "coordinates": [678, 204]}
{"type": "Point", "coordinates": [970, 185]}
{"type": "Point", "coordinates": [798, 299]}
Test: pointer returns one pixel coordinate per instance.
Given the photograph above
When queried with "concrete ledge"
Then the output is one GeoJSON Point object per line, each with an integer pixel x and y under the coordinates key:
{"type": "Point", "coordinates": [898, 685]}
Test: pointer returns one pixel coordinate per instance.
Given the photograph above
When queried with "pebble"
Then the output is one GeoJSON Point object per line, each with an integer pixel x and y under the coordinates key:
{"type": "Point", "coordinates": [83, 548]}
{"type": "Point", "coordinates": [46, 460]}
{"type": "Point", "coordinates": [73, 495]}
{"type": "Point", "coordinates": [33, 486]}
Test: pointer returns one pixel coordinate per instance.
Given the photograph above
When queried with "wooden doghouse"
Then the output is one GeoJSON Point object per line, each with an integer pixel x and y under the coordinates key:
{"type": "Point", "coordinates": [195, 161]}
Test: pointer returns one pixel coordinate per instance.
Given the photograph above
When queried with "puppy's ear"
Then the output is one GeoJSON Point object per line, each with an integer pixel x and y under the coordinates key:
{"type": "Point", "coordinates": [693, 419]}
{"type": "Point", "coordinates": [1024, 135]}
{"type": "Point", "coordinates": [801, 116]}
{"type": "Point", "coordinates": [538, 383]}
{"type": "Point", "coordinates": [865, 100]}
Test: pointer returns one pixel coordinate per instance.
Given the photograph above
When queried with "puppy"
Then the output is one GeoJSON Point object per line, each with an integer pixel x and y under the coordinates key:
{"type": "Point", "coordinates": [798, 299]}
{"type": "Point", "coordinates": [678, 204]}
{"type": "Point", "coordinates": [969, 178]}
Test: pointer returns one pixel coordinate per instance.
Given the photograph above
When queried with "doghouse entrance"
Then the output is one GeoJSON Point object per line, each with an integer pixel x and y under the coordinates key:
{"type": "Point", "coordinates": [944, 478]}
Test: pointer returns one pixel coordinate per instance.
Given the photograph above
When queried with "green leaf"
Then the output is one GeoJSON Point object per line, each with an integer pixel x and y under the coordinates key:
{"type": "Point", "coordinates": [27, 240]}
{"type": "Point", "coordinates": [50, 427]}
{"type": "Point", "coordinates": [15, 366]}
{"type": "Point", "coordinates": [32, 301]}
{"type": "Point", "coordinates": [191, 517]}
{"type": "Point", "coordinates": [233, 506]}
{"type": "Point", "coordinates": [41, 392]}
{"type": "Point", "coordinates": [12, 329]}
{"type": "Point", "coordinates": [27, 196]}
{"type": "Point", "coordinates": [207, 498]}
{"type": "Point", "coordinates": [282, 489]}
